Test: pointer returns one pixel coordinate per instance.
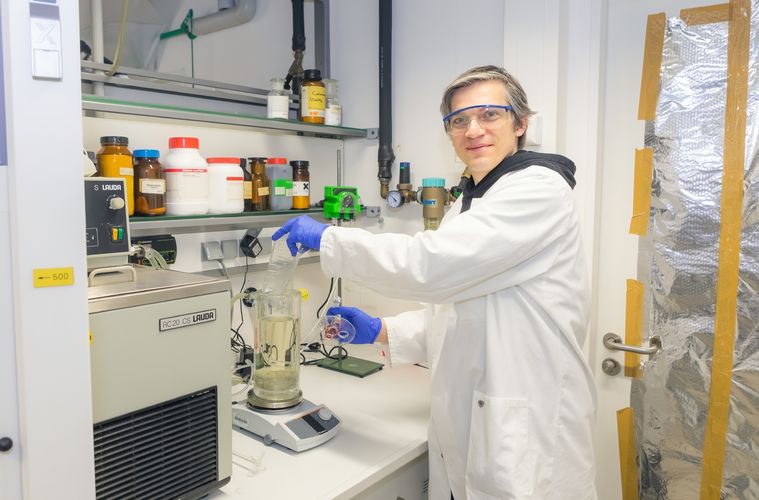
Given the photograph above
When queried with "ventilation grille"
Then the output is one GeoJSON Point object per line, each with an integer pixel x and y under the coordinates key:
{"type": "Point", "coordinates": [159, 452]}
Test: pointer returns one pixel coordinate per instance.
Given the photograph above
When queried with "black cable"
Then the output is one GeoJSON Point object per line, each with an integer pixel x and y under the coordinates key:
{"type": "Point", "coordinates": [238, 342]}
{"type": "Point", "coordinates": [331, 284]}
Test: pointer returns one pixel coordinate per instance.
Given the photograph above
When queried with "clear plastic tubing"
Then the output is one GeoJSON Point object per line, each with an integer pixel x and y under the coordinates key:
{"type": "Point", "coordinates": [225, 186]}
{"type": "Point", "coordinates": [186, 175]}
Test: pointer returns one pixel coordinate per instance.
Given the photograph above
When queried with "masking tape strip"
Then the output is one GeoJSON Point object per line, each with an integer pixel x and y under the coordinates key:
{"type": "Point", "coordinates": [633, 326]}
{"type": "Point", "coordinates": [628, 467]}
{"type": "Point", "coordinates": [644, 173]}
{"type": "Point", "coordinates": [718, 410]}
{"type": "Point", "coordinates": [649, 80]}
{"type": "Point", "coordinates": [705, 15]}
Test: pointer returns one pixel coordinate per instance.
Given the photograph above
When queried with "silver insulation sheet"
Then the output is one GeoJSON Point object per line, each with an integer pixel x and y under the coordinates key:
{"type": "Point", "coordinates": [678, 266]}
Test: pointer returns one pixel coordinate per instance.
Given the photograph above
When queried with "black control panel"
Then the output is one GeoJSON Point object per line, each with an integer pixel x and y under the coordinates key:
{"type": "Point", "coordinates": [107, 229]}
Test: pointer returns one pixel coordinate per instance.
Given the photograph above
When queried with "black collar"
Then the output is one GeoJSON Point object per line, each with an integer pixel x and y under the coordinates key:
{"type": "Point", "coordinates": [518, 161]}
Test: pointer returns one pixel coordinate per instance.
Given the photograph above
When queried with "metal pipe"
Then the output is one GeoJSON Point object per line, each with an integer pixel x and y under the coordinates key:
{"type": "Point", "coordinates": [385, 155]}
{"type": "Point", "coordinates": [242, 12]}
{"type": "Point", "coordinates": [339, 167]}
{"type": "Point", "coordinates": [97, 41]}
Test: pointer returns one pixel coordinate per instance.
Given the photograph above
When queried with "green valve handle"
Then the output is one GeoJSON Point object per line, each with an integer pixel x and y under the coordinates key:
{"type": "Point", "coordinates": [184, 28]}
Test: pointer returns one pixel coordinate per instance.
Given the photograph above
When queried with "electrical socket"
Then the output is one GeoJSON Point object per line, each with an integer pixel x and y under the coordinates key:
{"type": "Point", "coordinates": [210, 250]}
{"type": "Point", "coordinates": [229, 248]}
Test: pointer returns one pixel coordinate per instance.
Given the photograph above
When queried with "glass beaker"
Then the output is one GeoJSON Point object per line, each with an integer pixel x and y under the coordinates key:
{"type": "Point", "coordinates": [276, 344]}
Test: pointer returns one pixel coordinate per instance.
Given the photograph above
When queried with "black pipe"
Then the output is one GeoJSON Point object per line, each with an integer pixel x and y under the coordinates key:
{"type": "Point", "coordinates": [385, 155]}
{"type": "Point", "coordinates": [295, 73]}
{"type": "Point", "coordinates": [299, 29]}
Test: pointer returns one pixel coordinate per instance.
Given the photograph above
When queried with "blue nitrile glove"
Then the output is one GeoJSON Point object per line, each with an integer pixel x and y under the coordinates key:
{"type": "Point", "coordinates": [367, 327]}
{"type": "Point", "coordinates": [303, 230]}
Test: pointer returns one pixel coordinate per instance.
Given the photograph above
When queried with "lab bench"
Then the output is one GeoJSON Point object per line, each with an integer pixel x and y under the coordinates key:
{"type": "Point", "coordinates": [383, 439]}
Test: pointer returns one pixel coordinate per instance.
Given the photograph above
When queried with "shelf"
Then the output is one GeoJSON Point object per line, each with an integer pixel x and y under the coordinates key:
{"type": "Point", "coordinates": [146, 226]}
{"type": "Point", "coordinates": [110, 105]}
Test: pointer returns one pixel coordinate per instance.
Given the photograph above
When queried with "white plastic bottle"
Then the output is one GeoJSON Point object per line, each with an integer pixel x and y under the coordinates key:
{"type": "Point", "coordinates": [186, 175]}
{"type": "Point", "coordinates": [225, 186]}
{"type": "Point", "coordinates": [333, 114]}
{"type": "Point", "coordinates": [278, 100]}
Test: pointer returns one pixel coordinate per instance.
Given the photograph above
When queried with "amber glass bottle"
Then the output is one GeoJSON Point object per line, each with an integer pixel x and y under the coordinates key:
{"type": "Point", "coordinates": [115, 160]}
{"type": "Point", "coordinates": [260, 184]}
{"type": "Point", "coordinates": [313, 97]}
{"type": "Point", "coordinates": [149, 183]}
{"type": "Point", "coordinates": [301, 184]}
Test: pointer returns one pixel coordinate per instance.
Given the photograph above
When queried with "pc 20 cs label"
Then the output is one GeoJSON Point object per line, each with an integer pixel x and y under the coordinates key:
{"type": "Point", "coordinates": [184, 320]}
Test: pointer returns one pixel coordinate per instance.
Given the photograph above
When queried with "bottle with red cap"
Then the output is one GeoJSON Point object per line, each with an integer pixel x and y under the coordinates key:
{"type": "Point", "coordinates": [225, 186]}
{"type": "Point", "coordinates": [186, 175]}
{"type": "Point", "coordinates": [280, 177]}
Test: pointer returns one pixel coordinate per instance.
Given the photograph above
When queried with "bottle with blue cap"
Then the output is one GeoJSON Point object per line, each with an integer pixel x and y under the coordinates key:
{"type": "Point", "coordinates": [433, 198]}
{"type": "Point", "coordinates": [149, 183]}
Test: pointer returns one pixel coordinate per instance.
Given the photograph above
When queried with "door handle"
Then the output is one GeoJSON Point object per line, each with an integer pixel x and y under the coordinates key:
{"type": "Point", "coordinates": [614, 342]}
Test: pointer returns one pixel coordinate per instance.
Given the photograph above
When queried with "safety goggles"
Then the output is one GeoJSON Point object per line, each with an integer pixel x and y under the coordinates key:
{"type": "Point", "coordinates": [486, 115]}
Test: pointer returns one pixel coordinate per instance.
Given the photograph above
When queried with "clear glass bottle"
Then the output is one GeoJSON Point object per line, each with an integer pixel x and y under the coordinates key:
{"type": "Point", "coordinates": [278, 100]}
{"type": "Point", "coordinates": [333, 115]}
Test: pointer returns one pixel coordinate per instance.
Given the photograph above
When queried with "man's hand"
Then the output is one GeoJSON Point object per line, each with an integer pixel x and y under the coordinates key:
{"type": "Point", "coordinates": [303, 230]}
{"type": "Point", "coordinates": [367, 327]}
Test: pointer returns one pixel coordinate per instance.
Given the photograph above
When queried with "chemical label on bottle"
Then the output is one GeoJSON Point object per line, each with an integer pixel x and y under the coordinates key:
{"type": "Point", "coordinates": [313, 101]}
{"type": "Point", "coordinates": [187, 172]}
{"type": "Point", "coordinates": [126, 171]}
{"type": "Point", "coordinates": [235, 189]}
{"type": "Point", "coordinates": [277, 106]}
{"type": "Point", "coordinates": [301, 188]}
{"type": "Point", "coordinates": [333, 115]}
{"type": "Point", "coordinates": [247, 190]}
{"type": "Point", "coordinates": [152, 186]}
{"type": "Point", "coordinates": [263, 191]}
{"type": "Point", "coordinates": [283, 187]}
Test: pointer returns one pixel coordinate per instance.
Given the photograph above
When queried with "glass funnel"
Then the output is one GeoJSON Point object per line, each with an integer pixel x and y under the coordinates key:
{"type": "Point", "coordinates": [276, 344]}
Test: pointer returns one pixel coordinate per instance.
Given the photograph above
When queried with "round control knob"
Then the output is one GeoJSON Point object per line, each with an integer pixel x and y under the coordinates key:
{"type": "Point", "coordinates": [324, 414]}
{"type": "Point", "coordinates": [6, 444]}
{"type": "Point", "coordinates": [116, 203]}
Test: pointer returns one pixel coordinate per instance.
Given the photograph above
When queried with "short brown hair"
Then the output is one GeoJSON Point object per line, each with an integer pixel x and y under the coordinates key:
{"type": "Point", "coordinates": [514, 92]}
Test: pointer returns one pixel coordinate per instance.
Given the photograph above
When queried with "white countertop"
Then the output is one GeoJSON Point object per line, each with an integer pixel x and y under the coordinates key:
{"type": "Point", "coordinates": [384, 427]}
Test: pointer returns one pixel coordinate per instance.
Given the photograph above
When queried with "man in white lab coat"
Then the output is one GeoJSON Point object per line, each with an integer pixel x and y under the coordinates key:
{"type": "Point", "coordinates": [507, 299]}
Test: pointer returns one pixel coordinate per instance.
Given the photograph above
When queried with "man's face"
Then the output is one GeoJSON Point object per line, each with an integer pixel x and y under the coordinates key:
{"type": "Point", "coordinates": [482, 146]}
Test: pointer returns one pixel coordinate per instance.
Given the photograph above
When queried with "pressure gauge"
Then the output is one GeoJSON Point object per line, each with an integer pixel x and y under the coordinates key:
{"type": "Point", "coordinates": [394, 199]}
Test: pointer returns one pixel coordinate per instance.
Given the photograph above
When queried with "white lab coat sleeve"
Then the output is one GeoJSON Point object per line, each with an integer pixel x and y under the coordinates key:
{"type": "Point", "coordinates": [512, 234]}
{"type": "Point", "coordinates": [407, 338]}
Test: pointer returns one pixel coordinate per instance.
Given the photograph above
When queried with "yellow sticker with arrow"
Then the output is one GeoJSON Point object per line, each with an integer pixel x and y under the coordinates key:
{"type": "Point", "coordinates": [53, 276]}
